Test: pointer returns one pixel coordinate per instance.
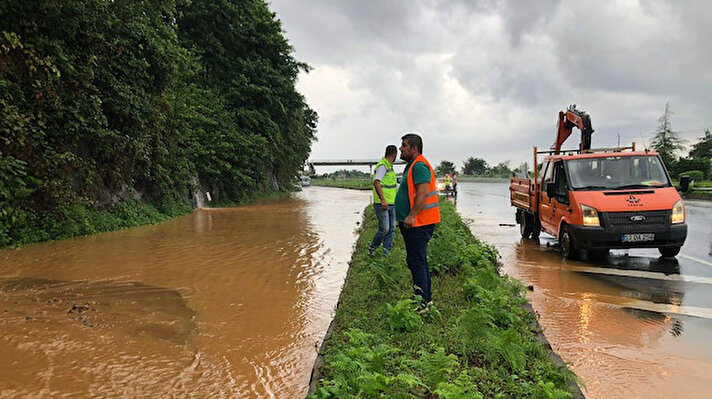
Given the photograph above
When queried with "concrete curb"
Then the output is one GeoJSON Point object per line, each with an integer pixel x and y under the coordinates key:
{"type": "Point", "coordinates": [539, 335]}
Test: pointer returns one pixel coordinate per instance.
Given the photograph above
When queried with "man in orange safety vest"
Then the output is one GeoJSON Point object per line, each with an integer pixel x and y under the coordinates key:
{"type": "Point", "coordinates": [417, 212]}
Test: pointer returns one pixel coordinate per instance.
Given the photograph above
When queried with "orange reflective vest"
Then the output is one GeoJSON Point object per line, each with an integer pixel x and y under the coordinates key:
{"type": "Point", "coordinates": [430, 214]}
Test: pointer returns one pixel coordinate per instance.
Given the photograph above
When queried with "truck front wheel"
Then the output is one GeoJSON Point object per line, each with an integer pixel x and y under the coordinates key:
{"type": "Point", "coordinates": [566, 243]}
{"type": "Point", "coordinates": [669, 252]}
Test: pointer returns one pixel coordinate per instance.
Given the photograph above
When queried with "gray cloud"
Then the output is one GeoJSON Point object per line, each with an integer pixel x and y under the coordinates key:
{"type": "Point", "coordinates": [487, 78]}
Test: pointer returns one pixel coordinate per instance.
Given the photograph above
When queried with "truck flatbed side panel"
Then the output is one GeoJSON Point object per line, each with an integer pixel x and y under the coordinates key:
{"type": "Point", "coordinates": [520, 193]}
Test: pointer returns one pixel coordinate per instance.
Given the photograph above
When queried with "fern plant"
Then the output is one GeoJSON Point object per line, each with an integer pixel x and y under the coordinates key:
{"type": "Point", "coordinates": [461, 388]}
{"type": "Point", "coordinates": [402, 316]}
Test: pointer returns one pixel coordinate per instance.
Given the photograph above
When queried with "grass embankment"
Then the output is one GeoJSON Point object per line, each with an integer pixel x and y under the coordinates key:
{"type": "Point", "coordinates": [85, 219]}
{"type": "Point", "coordinates": [696, 194]}
{"type": "Point", "coordinates": [475, 342]}
{"type": "Point", "coordinates": [701, 195]}
{"type": "Point", "coordinates": [356, 184]}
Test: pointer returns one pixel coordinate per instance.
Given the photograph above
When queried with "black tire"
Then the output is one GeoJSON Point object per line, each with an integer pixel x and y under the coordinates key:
{"type": "Point", "coordinates": [525, 225]}
{"type": "Point", "coordinates": [536, 228]}
{"type": "Point", "coordinates": [566, 244]}
{"type": "Point", "coordinates": [669, 252]}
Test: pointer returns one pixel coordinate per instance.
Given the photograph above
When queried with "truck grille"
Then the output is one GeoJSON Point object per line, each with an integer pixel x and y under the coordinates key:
{"type": "Point", "coordinates": [634, 221]}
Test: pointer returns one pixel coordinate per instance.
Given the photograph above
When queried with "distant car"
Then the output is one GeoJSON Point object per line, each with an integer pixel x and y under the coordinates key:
{"type": "Point", "coordinates": [440, 185]}
{"type": "Point", "coordinates": [444, 189]}
{"type": "Point", "coordinates": [305, 181]}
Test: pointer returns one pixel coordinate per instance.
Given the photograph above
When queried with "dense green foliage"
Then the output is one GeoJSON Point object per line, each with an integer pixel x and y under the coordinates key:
{"type": "Point", "coordinates": [697, 164]}
{"type": "Point", "coordinates": [474, 166]}
{"type": "Point", "coordinates": [445, 168]}
{"type": "Point", "coordinates": [703, 148]}
{"type": "Point", "coordinates": [479, 167]}
{"type": "Point", "coordinates": [694, 175]}
{"type": "Point", "coordinates": [683, 165]}
{"type": "Point", "coordinates": [142, 102]}
{"type": "Point", "coordinates": [475, 342]}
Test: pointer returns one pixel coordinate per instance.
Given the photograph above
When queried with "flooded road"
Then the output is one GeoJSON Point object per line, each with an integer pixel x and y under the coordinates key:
{"type": "Point", "coordinates": [632, 325]}
{"type": "Point", "coordinates": [219, 303]}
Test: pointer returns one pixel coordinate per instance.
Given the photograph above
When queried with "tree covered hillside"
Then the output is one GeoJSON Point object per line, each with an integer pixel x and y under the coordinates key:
{"type": "Point", "coordinates": [109, 103]}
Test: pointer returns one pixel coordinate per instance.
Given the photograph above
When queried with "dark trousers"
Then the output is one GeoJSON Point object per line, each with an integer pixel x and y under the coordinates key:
{"type": "Point", "coordinates": [416, 245]}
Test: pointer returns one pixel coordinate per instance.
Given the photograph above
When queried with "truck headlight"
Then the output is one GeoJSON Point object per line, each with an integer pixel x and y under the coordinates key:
{"type": "Point", "coordinates": [590, 216]}
{"type": "Point", "coordinates": [678, 213]}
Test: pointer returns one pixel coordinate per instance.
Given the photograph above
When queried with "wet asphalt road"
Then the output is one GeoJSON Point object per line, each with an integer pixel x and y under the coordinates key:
{"type": "Point", "coordinates": [631, 324]}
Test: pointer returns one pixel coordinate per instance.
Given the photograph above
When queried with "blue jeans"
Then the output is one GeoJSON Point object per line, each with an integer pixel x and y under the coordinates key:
{"type": "Point", "coordinates": [416, 249]}
{"type": "Point", "coordinates": [386, 228]}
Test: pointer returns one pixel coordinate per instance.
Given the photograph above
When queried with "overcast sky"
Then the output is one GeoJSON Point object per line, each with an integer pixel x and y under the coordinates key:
{"type": "Point", "coordinates": [488, 78]}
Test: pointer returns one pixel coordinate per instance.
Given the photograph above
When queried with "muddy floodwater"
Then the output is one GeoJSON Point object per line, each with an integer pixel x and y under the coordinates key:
{"type": "Point", "coordinates": [219, 303]}
{"type": "Point", "coordinates": [632, 324]}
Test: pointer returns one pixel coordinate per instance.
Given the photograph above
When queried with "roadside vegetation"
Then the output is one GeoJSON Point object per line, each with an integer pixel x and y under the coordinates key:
{"type": "Point", "coordinates": [114, 113]}
{"type": "Point", "coordinates": [476, 341]}
{"type": "Point", "coordinates": [356, 184]}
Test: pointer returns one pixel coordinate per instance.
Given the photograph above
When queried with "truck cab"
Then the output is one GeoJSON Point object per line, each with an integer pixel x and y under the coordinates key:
{"type": "Point", "coordinates": [599, 201]}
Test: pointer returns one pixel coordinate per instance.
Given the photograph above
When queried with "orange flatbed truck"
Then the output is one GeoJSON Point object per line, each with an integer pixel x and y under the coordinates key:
{"type": "Point", "coordinates": [597, 200]}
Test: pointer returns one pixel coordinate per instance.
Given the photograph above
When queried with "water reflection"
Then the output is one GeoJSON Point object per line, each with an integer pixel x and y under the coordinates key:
{"type": "Point", "coordinates": [629, 319]}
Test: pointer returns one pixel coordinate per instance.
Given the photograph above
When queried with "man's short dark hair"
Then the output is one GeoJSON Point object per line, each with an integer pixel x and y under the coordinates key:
{"type": "Point", "coordinates": [414, 140]}
{"type": "Point", "coordinates": [391, 149]}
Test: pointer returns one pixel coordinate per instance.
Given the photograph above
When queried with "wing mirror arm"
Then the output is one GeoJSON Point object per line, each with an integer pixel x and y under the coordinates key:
{"type": "Point", "coordinates": [684, 184]}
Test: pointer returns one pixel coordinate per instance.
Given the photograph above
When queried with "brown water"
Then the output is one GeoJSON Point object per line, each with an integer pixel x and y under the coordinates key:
{"type": "Point", "coordinates": [631, 325]}
{"type": "Point", "coordinates": [220, 303]}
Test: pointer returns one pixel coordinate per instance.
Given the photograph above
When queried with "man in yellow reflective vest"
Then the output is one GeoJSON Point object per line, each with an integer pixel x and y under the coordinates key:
{"type": "Point", "coordinates": [384, 197]}
{"type": "Point", "coordinates": [417, 212]}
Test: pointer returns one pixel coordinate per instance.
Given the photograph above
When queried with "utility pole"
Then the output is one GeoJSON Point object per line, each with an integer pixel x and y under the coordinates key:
{"type": "Point", "coordinates": [619, 140]}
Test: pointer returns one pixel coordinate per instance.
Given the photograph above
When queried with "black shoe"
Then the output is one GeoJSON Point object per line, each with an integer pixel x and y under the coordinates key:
{"type": "Point", "coordinates": [424, 307]}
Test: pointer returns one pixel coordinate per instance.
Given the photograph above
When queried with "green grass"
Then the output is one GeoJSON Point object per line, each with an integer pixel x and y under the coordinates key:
{"type": "Point", "coordinates": [20, 227]}
{"type": "Point", "coordinates": [706, 184]}
{"type": "Point", "coordinates": [356, 184]}
{"type": "Point", "coordinates": [476, 341]}
{"type": "Point", "coordinates": [701, 184]}
{"type": "Point", "coordinates": [83, 219]}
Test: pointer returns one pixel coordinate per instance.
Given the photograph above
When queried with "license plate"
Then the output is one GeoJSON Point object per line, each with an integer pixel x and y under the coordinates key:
{"type": "Point", "coordinates": [638, 237]}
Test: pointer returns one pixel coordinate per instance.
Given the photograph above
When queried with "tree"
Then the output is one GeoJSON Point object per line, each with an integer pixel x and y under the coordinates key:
{"type": "Point", "coordinates": [247, 60]}
{"type": "Point", "coordinates": [445, 168]}
{"type": "Point", "coordinates": [665, 141]}
{"type": "Point", "coordinates": [475, 166]}
{"type": "Point", "coordinates": [108, 100]}
{"type": "Point", "coordinates": [688, 164]}
{"type": "Point", "coordinates": [523, 169]}
{"type": "Point", "coordinates": [703, 148]}
{"type": "Point", "coordinates": [501, 170]}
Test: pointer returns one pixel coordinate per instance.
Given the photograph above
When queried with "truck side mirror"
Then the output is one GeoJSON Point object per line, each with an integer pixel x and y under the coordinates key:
{"type": "Point", "coordinates": [684, 184]}
{"type": "Point", "coordinates": [549, 188]}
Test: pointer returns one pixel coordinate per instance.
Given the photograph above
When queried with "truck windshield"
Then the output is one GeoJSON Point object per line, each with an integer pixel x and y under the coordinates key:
{"type": "Point", "coordinates": [617, 173]}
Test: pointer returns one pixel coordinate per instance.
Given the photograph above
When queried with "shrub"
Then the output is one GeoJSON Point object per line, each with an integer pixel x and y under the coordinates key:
{"type": "Point", "coordinates": [695, 175]}
{"type": "Point", "coordinates": [689, 164]}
